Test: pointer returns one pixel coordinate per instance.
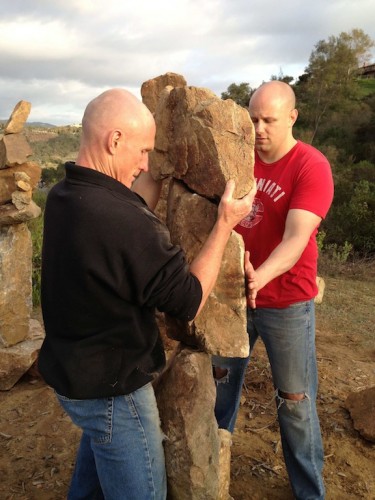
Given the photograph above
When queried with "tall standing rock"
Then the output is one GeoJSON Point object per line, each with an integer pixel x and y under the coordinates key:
{"type": "Point", "coordinates": [186, 394]}
{"type": "Point", "coordinates": [201, 142]}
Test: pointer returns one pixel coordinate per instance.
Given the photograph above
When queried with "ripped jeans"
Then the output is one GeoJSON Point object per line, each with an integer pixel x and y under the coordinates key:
{"type": "Point", "coordinates": [289, 338]}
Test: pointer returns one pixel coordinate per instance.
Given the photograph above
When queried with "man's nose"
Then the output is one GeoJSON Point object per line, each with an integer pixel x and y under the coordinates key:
{"type": "Point", "coordinates": [259, 127]}
{"type": "Point", "coordinates": [144, 163]}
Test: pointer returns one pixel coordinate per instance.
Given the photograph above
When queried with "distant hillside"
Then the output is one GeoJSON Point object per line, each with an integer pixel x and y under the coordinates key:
{"type": "Point", "coordinates": [53, 146]}
{"type": "Point", "coordinates": [33, 124]}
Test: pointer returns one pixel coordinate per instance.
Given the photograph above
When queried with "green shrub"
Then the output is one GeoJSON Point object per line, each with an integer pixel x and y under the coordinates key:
{"type": "Point", "coordinates": [36, 230]}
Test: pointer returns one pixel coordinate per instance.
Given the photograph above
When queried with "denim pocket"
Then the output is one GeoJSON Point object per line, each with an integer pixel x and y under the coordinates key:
{"type": "Point", "coordinates": [93, 416]}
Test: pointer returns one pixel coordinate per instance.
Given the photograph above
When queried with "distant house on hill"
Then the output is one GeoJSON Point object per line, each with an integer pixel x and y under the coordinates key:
{"type": "Point", "coordinates": [367, 71]}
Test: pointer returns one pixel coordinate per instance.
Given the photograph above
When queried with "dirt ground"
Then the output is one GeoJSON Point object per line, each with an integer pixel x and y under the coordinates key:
{"type": "Point", "coordinates": [38, 442]}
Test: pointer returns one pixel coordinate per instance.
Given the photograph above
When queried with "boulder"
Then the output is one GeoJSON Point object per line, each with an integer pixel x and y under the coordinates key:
{"type": "Point", "coordinates": [361, 406]}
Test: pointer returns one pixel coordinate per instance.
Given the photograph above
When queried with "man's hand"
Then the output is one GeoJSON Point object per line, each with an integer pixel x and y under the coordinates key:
{"type": "Point", "coordinates": [251, 281]}
{"type": "Point", "coordinates": [231, 210]}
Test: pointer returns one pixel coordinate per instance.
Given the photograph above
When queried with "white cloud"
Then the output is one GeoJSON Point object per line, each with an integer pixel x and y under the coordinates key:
{"type": "Point", "coordinates": [60, 54]}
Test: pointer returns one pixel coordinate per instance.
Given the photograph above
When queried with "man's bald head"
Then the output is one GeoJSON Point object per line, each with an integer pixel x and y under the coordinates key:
{"type": "Point", "coordinates": [273, 113]}
{"type": "Point", "coordinates": [118, 132]}
{"type": "Point", "coordinates": [114, 108]}
{"type": "Point", "coordinates": [276, 91]}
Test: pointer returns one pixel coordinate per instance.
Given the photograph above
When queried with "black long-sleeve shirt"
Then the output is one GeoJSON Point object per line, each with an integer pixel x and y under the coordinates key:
{"type": "Point", "coordinates": [107, 263]}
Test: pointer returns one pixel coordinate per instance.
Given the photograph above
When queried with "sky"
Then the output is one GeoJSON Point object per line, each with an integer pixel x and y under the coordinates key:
{"type": "Point", "coordinates": [60, 54]}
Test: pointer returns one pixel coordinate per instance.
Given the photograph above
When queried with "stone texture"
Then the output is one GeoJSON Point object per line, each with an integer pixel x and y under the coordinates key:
{"type": "Point", "coordinates": [9, 214]}
{"type": "Point", "coordinates": [361, 406]}
{"type": "Point", "coordinates": [151, 90]}
{"type": "Point", "coordinates": [220, 328]}
{"type": "Point", "coordinates": [15, 361]}
{"type": "Point", "coordinates": [29, 172]}
{"type": "Point", "coordinates": [21, 199]}
{"type": "Point", "coordinates": [224, 464]}
{"type": "Point", "coordinates": [18, 118]}
{"type": "Point", "coordinates": [204, 141]}
{"type": "Point", "coordinates": [321, 287]}
{"type": "Point", "coordinates": [14, 150]}
{"type": "Point", "coordinates": [186, 399]}
{"type": "Point", "coordinates": [15, 283]}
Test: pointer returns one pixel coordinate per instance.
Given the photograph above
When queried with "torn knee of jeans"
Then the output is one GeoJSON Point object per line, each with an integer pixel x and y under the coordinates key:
{"type": "Point", "coordinates": [221, 375]}
{"type": "Point", "coordinates": [291, 397]}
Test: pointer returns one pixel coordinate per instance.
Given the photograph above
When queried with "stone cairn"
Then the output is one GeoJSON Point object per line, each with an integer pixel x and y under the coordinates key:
{"type": "Point", "coordinates": [201, 142]}
{"type": "Point", "coordinates": [20, 336]}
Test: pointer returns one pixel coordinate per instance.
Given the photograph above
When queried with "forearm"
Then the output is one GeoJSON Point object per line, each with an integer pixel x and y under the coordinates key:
{"type": "Point", "coordinates": [283, 258]}
{"type": "Point", "coordinates": [147, 187]}
{"type": "Point", "coordinates": [206, 265]}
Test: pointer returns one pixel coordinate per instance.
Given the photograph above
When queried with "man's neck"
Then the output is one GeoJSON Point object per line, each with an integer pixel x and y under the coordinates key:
{"type": "Point", "coordinates": [272, 157]}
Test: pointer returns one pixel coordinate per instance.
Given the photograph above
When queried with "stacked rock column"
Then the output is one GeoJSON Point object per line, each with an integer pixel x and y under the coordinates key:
{"type": "Point", "coordinates": [20, 336]}
{"type": "Point", "coordinates": [201, 143]}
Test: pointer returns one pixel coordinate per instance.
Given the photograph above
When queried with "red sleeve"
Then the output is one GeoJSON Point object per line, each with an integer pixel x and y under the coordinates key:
{"type": "Point", "coordinates": [314, 187]}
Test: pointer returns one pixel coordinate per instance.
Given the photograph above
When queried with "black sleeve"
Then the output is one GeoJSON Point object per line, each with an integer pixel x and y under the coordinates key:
{"type": "Point", "coordinates": [159, 273]}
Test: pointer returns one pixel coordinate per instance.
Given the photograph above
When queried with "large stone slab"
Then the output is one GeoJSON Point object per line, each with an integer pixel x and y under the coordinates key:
{"type": "Point", "coordinates": [18, 118]}
{"type": "Point", "coordinates": [361, 406]}
{"type": "Point", "coordinates": [15, 283]}
{"type": "Point", "coordinates": [186, 398]}
{"type": "Point", "coordinates": [204, 141]}
{"type": "Point", "coordinates": [15, 361]}
{"type": "Point", "coordinates": [220, 328]}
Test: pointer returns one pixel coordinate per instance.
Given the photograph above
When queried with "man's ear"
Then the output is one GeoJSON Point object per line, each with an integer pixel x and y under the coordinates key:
{"type": "Point", "coordinates": [114, 139]}
{"type": "Point", "coordinates": [293, 116]}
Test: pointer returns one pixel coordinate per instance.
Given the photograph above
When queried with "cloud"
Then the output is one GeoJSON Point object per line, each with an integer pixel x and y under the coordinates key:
{"type": "Point", "coordinates": [60, 54]}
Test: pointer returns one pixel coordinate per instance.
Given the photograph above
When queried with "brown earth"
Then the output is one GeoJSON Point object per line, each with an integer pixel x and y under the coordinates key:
{"type": "Point", "coordinates": [38, 442]}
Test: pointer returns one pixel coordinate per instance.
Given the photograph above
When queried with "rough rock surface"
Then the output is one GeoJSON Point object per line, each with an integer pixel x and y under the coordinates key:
{"type": "Point", "coordinates": [361, 406]}
{"type": "Point", "coordinates": [220, 328]}
{"type": "Point", "coordinates": [15, 279]}
{"type": "Point", "coordinates": [18, 118]}
{"type": "Point", "coordinates": [14, 150]}
{"type": "Point", "coordinates": [203, 141]}
{"type": "Point", "coordinates": [16, 360]}
{"type": "Point", "coordinates": [186, 399]}
{"type": "Point", "coordinates": [8, 179]}
{"type": "Point", "coordinates": [152, 89]}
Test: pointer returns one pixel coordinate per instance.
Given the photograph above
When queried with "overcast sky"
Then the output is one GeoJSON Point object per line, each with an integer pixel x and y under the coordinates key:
{"type": "Point", "coordinates": [59, 54]}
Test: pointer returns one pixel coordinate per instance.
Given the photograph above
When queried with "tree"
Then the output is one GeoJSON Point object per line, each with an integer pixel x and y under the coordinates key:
{"type": "Point", "coordinates": [238, 93]}
{"type": "Point", "coordinates": [282, 78]}
{"type": "Point", "coordinates": [329, 82]}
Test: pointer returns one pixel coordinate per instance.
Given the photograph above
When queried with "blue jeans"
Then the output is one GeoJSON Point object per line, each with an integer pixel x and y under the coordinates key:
{"type": "Point", "coordinates": [289, 338]}
{"type": "Point", "coordinates": [121, 454]}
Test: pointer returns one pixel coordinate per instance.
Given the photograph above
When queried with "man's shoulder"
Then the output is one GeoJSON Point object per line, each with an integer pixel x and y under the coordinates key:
{"type": "Point", "coordinates": [310, 152]}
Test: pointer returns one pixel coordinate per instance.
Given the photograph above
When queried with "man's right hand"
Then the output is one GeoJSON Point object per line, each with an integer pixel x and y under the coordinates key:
{"type": "Point", "coordinates": [231, 210]}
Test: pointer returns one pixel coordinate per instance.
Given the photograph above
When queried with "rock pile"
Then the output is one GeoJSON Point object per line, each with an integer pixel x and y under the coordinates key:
{"type": "Point", "coordinates": [20, 336]}
{"type": "Point", "coordinates": [201, 142]}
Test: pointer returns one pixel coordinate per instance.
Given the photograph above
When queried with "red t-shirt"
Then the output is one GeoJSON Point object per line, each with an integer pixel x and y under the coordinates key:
{"type": "Point", "coordinates": [302, 179]}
